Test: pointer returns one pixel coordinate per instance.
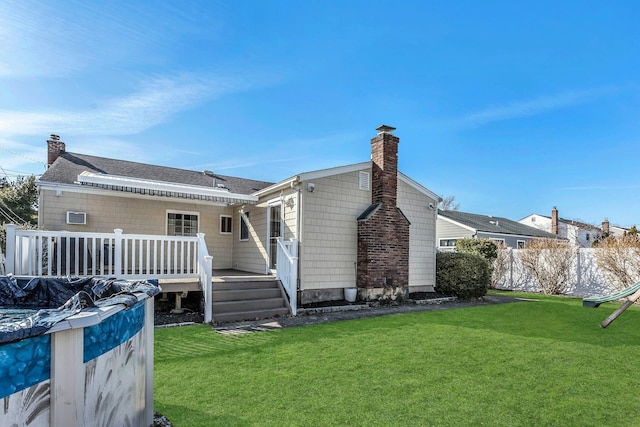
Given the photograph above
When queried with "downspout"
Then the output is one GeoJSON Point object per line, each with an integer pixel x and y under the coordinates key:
{"type": "Point", "coordinates": [297, 186]}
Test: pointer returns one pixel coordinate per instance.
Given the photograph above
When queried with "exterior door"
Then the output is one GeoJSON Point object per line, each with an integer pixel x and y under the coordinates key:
{"type": "Point", "coordinates": [275, 231]}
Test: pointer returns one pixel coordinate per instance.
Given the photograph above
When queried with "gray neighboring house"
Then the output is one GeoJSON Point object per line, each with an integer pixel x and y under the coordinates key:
{"type": "Point", "coordinates": [454, 225]}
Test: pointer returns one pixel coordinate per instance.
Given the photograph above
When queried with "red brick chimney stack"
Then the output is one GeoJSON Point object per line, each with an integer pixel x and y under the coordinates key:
{"type": "Point", "coordinates": [554, 220]}
{"type": "Point", "coordinates": [54, 148]}
{"type": "Point", "coordinates": [383, 230]}
{"type": "Point", "coordinates": [384, 173]}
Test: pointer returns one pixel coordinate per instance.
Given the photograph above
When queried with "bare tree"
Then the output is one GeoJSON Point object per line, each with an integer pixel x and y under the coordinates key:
{"type": "Point", "coordinates": [549, 262]}
{"type": "Point", "coordinates": [500, 264]}
{"type": "Point", "coordinates": [619, 259]}
{"type": "Point", "coordinates": [449, 204]}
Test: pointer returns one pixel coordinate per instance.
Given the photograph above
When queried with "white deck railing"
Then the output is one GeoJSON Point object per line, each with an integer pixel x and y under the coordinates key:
{"type": "Point", "coordinates": [125, 256]}
{"type": "Point", "coordinates": [287, 270]}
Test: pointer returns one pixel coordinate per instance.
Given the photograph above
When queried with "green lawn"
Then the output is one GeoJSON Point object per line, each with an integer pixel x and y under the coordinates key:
{"type": "Point", "coordinates": [542, 363]}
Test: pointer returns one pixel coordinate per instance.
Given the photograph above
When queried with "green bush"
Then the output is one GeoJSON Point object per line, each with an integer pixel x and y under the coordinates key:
{"type": "Point", "coordinates": [464, 275]}
{"type": "Point", "coordinates": [486, 248]}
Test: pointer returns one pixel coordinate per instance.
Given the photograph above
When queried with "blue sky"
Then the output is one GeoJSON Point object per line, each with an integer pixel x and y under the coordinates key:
{"type": "Point", "coordinates": [512, 107]}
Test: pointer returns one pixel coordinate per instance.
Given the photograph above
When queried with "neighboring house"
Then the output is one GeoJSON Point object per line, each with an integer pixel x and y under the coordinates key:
{"type": "Point", "coordinates": [364, 225]}
{"type": "Point", "coordinates": [612, 230]}
{"type": "Point", "coordinates": [578, 233]}
{"type": "Point", "coordinates": [454, 225]}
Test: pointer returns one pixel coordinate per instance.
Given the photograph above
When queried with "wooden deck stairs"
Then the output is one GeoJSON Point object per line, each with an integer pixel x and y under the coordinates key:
{"type": "Point", "coordinates": [238, 299]}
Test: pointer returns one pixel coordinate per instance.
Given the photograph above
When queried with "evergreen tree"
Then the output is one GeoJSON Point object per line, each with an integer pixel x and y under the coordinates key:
{"type": "Point", "coordinates": [19, 201]}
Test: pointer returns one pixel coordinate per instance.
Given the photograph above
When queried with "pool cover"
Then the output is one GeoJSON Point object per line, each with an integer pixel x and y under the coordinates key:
{"type": "Point", "coordinates": [30, 308]}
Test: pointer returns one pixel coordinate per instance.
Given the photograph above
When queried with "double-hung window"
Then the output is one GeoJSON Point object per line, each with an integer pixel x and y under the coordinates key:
{"type": "Point", "coordinates": [182, 223]}
{"type": "Point", "coordinates": [226, 224]}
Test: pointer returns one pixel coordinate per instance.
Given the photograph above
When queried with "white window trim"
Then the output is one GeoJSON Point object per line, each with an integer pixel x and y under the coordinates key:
{"type": "Point", "coordinates": [524, 242]}
{"type": "Point", "coordinates": [240, 228]}
{"type": "Point", "coordinates": [220, 229]}
{"type": "Point", "coordinates": [166, 218]}
{"type": "Point", "coordinates": [448, 238]}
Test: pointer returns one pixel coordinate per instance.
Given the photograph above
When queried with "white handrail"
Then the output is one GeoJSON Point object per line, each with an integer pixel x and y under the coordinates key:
{"type": "Point", "coordinates": [126, 256]}
{"type": "Point", "coordinates": [205, 270]}
{"type": "Point", "coordinates": [287, 270]}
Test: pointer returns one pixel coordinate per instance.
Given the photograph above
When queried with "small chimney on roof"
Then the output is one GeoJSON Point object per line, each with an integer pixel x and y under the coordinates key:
{"type": "Point", "coordinates": [554, 220]}
{"type": "Point", "coordinates": [54, 148]}
{"type": "Point", "coordinates": [605, 227]}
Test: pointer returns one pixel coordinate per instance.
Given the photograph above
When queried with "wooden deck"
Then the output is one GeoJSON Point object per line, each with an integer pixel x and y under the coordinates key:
{"type": "Point", "coordinates": [219, 276]}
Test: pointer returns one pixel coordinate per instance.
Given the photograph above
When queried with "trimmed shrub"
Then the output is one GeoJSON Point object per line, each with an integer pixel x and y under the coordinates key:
{"type": "Point", "coordinates": [486, 248]}
{"type": "Point", "coordinates": [464, 275]}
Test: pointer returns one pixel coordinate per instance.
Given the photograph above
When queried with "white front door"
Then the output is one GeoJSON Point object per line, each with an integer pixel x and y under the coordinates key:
{"type": "Point", "coordinates": [274, 230]}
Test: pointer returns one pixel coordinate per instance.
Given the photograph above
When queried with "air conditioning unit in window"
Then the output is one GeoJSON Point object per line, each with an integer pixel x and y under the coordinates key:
{"type": "Point", "coordinates": [77, 218]}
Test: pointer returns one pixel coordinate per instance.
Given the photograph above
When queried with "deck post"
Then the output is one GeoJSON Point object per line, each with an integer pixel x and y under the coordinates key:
{"type": "Point", "coordinates": [117, 253]}
{"type": "Point", "coordinates": [149, 333]}
{"type": "Point", "coordinates": [10, 258]}
{"type": "Point", "coordinates": [207, 290]}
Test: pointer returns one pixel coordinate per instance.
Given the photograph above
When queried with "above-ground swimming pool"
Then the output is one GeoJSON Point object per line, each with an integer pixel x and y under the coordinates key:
{"type": "Point", "coordinates": [76, 352]}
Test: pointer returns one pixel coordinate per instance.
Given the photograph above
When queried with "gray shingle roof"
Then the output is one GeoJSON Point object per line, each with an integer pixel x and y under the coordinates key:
{"type": "Point", "coordinates": [494, 224]}
{"type": "Point", "coordinates": [68, 166]}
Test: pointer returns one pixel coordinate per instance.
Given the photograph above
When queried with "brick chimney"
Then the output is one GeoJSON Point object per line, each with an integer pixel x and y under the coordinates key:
{"type": "Point", "coordinates": [383, 230]}
{"type": "Point", "coordinates": [384, 168]}
{"type": "Point", "coordinates": [54, 148]}
{"type": "Point", "coordinates": [554, 220]}
{"type": "Point", "coordinates": [605, 228]}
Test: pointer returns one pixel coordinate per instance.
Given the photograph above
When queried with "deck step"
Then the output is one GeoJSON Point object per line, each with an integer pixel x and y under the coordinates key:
{"type": "Point", "coordinates": [250, 315]}
{"type": "Point", "coordinates": [245, 294]}
{"type": "Point", "coordinates": [248, 305]}
{"type": "Point", "coordinates": [254, 284]}
{"type": "Point", "coordinates": [247, 300]}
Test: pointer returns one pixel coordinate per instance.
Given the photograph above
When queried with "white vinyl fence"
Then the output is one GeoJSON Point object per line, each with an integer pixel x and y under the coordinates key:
{"type": "Point", "coordinates": [586, 277]}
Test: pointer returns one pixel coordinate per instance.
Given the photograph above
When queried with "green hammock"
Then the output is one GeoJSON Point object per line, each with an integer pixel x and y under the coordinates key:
{"type": "Point", "coordinates": [632, 293]}
{"type": "Point", "coordinates": [597, 300]}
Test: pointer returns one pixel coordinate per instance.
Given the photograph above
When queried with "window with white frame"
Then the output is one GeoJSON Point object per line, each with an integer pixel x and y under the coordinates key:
{"type": "Point", "coordinates": [448, 243]}
{"type": "Point", "coordinates": [226, 224]}
{"type": "Point", "coordinates": [520, 244]}
{"type": "Point", "coordinates": [244, 226]}
{"type": "Point", "coordinates": [182, 223]}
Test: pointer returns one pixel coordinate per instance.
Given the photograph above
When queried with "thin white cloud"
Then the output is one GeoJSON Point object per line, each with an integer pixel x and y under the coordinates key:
{"type": "Point", "coordinates": [247, 163]}
{"type": "Point", "coordinates": [47, 39]}
{"type": "Point", "coordinates": [533, 107]}
{"type": "Point", "coordinates": [157, 100]}
{"type": "Point", "coordinates": [273, 152]}
{"type": "Point", "coordinates": [18, 158]}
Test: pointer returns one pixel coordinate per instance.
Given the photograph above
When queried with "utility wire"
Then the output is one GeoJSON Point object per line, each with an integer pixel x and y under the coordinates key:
{"type": "Point", "coordinates": [23, 156]}
{"type": "Point", "coordinates": [16, 218]}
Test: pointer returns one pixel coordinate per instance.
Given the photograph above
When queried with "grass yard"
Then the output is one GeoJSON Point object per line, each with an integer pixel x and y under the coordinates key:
{"type": "Point", "coordinates": [542, 363]}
